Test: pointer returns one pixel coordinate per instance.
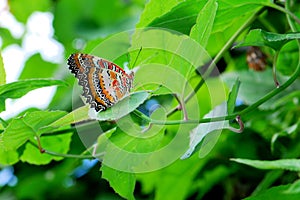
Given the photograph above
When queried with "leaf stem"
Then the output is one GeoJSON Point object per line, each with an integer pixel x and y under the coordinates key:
{"type": "Point", "coordinates": [64, 155]}
{"type": "Point", "coordinates": [39, 144]}
{"type": "Point", "coordinates": [182, 106]}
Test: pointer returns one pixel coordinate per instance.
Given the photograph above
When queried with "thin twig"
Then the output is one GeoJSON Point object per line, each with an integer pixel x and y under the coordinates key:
{"type": "Point", "coordinates": [182, 106]}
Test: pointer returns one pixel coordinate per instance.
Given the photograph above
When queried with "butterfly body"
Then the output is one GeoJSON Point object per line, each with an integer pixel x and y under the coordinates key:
{"type": "Point", "coordinates": [104, 83]}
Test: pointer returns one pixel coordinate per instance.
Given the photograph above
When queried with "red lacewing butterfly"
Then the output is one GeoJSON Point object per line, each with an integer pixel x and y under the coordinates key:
{"type": "Point", "coordinates": [104, 83]}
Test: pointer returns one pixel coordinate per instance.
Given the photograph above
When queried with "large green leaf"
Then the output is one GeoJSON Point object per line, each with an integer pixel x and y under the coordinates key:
{"type": "Point", "coordinates": [56, 143]}
{"type": "Point", "coordinates": [181, 18]}
{"type": "Point", "coordinates": [164, 52]}
{"type": "Point", "coordinates": [204, 23]}
{"type": "Point", "coordinates": [20, 88]}
{"type": "Point", "coordinates": [122, 108]}
{"type": "Point", "coordinates": [78, 115]}
{"type": "Point", "coordinates": [122, 182]}
{"type": "Point", "coordinates": [23, 128]}
{"type": "Point", "coordinates": [132, 148]}
{"type": "Point", "coordinates": [7, 157]}
{"type": "Point", "coordinates": [154, 9]}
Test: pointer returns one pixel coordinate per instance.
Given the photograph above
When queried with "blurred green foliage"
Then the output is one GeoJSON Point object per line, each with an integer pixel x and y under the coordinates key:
{"type": "Point", "coordinates": [271, 131]}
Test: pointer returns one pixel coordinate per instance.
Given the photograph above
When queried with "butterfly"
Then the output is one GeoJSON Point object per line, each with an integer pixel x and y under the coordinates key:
{"type": "Point", "coordinates": [104, 83]}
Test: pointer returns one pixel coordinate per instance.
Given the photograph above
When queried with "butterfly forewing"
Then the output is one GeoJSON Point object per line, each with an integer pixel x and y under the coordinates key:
{"type": "Point", "coordinates": [104, 83]}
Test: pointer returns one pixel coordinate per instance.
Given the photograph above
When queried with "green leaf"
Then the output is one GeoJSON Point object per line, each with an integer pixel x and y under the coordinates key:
{"type": "Point", "coordinates": [122, 182]}
{"type": "Point", "coordinates": [123, 107]}
{"type": "Point", "coordinates": [7, 157]}
{"type": "Point", "coordinates": [132, 148]}
{"type": "Point", "coordinates": [78, 115]}
{"type": "Point", "coordinates": [204, 23]}
{"type": "Point", "coordinates": [2, 72]}
{"type": "Point", "coordinates": [260, 37]}
{"type": "Point", "coordinates": [20, 88]}
{"type": "Point", "coordinates": [229, 20]}
{"type": "Point", "coordinates": [294, 188]}
{"type": "Point", "coordinates": [285, 164]}
{"type": "Point", "coordinates": [102, 142]}
{"type": "Point", "coordinates": [181, 18]}
{"type": "Point", "coordinates": [154, 9]}
{"type": "Point", "coordinates": [23, 128]}
{"type": "Point", "coordinates": [34, 64]}
{"type": "Point", "coordinates": [57, 143]}
{"type": "Point", "coordinates": [275, 193]}
{"type": "Point", "coordinates": [232, 96]}
{"type": "Point", "coordinates": [172, 54]}
{"type": "Point", "coordinates": [210, 131]}
{"type": "Point", "coordinates": [16, 134]}
{"type": "Point", "coordinates": [22, 9]}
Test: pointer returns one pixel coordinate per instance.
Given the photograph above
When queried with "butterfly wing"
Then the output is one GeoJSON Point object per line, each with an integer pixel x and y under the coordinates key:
{"type": "Point", "coordinates": [103, 82]}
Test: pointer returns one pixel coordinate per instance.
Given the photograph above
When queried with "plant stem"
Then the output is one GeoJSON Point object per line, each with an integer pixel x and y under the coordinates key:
{"type": "Point", "coordinates": [65, 155]}
{"type": "Point", "coordinates": [182, 106]}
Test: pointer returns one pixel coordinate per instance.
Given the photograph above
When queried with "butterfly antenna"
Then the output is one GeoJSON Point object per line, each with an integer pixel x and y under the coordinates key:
{"type": "Point", "coordinates": [137, 56]}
